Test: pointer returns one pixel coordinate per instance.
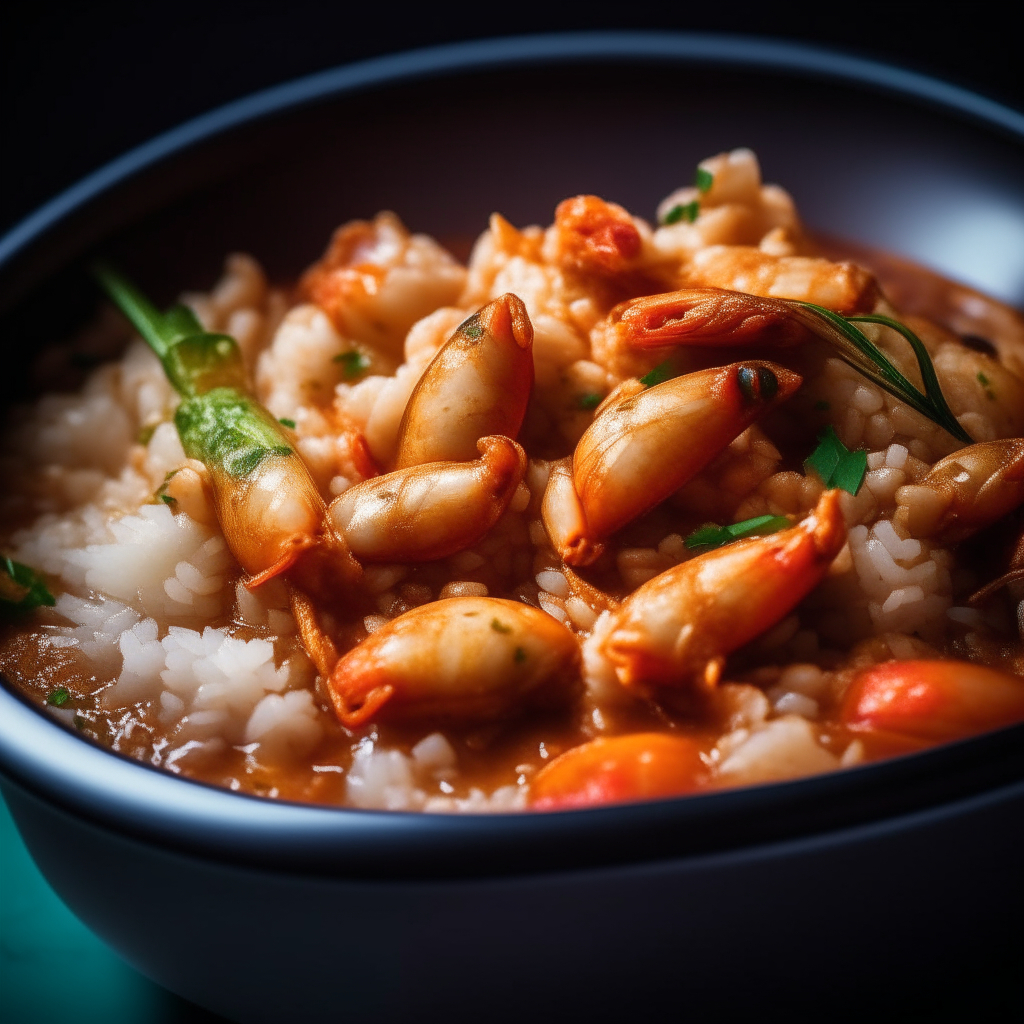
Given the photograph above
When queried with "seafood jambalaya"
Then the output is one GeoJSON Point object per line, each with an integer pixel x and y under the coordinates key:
{"type": "Point", "coordinates": [615, 511]}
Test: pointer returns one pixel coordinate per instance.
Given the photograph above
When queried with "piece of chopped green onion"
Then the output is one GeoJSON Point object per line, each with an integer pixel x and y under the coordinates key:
{"type": "Point", "coordinates": [683, 211]}
{"type": "Point", "coordinates": [58, 698]}
{"type": "Point", "coordinates": [499, 627]}
{"type": "Point", "coordinates": [836, 464]}
{"type": "Point", "coordinates": [661, 373]}
{"type": "Point", "coordinates": [714, 536]}
{"type": "Point", "coordinates": [287, 422]}
{"type": "Point", "coordinates": [353, 363]}
{"type": "Point", "coordinates": [589, 401]}
{"type": "Point", "coordinates": [703, 179]}
{"type": "Point", "coordinates": [21, 588]}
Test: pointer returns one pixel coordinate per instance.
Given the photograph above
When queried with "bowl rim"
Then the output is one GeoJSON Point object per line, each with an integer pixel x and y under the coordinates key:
{"type": "Point", "coordinates": [49, 762]}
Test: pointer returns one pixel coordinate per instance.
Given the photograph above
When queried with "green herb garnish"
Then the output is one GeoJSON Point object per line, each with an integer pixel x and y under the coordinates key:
{"type": "Point", "coordinates": [161, 491]}
{"type": "Point", "coordinates": [855, 348]}
{"type": "Point", "coordinates": [703, 179]}
{"type": "Point", "coordinates": [661, 373]}
{"type": "Point", "coordinates": [985, 383]}
{"type": "Point", "coordinates": [836, 464]}
{"type": "Point", "coordinates": [683, 211]}
{"type": "Point", "coordinates": [145, 434]}
{"type": "Point", "coordinates": [589, 401]}
{"type": "Point", "coordinates": [714, 536]}
{"type": "Point", "coordinates": [287, 422]}
{"type": "Point", "coordinates": [471, 329]}
{"type": "Point", "coordinates": [217, 421]}
{"type": "Point", "coordinates": [353, 363]}
{"type": "Point", "coordinates": [58, 698]}
{"type": "Point", "coordinates": [499, 627]}
{"type": "Point", "coordinates": [21, 588]}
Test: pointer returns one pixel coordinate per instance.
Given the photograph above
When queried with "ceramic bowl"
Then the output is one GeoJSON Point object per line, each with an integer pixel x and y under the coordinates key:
{"type": "Point", "coordinates": [813, 896]}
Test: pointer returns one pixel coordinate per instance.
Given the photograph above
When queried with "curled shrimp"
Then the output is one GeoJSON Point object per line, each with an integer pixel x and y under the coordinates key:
{"type": "Point", "coordinates": [429, 511]}
{"type": "Point", "coordinates": [646, 443]}
{"type": "Point", "coordinates": [276, 522]}
{"type": "Point", "coordinates": [701, 316]}
{"type": "Point", "coordinates": [676, 629]}
{"type": "Point", "coordinates": [932, 701]}
{"type": "Point", "coordinates": [964, 492]}
{"type": "Point", "coordinates": [478, 384]}
{"type": "Point", "coordinates": [641, 766]}
{"type": "Point", "coordinates": [465, 658]}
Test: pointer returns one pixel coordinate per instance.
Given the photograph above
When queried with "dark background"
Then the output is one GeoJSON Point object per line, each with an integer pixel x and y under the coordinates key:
{"type": "Point", "coordinates": [82, 84]}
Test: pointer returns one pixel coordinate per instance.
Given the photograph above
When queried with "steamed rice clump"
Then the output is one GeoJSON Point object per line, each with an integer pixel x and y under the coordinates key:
{"type": "Point", "coordinates": [173, 660]}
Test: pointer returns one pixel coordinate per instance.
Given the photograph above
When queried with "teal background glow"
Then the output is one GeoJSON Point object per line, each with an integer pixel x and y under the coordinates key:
{"type": "Point", "coordinates": [53, 969]}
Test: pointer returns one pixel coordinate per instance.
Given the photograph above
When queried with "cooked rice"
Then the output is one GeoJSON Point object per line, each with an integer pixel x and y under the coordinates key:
{"type": "Point", "coordinates": [150, 604]}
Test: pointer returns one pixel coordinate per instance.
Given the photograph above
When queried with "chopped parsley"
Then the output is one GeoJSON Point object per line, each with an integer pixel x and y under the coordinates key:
{"type": "Point", "coordinates": [986, 384]}
{"type": "Point", "coordinates": [683, 211]}
{"type": "Point", "coordinates": [499, 627]}
{"type": "Point", "coordinates": [287, 422]}
{"type": "Point", "coordinates": [472, 330]}
{"type": "Point", "coordinates": [353, 363]}
{"type": "Point", "coordinates": [703, 179]}
{"type": "Point", "coordinates": [589, 401]}
{"type": "Point", "coordinates": [713, 536]}
{"type": "Point", "coordinates": [836, 464]}
{"type": "Point", "coordinates": [21, 588]}
{"type": "Point", "coordinates": [161, 492]}
{"type": "Point", "coordinates": [58, 698]}
{"type": "Point", "coordinates": [520, 655]}
{"type": "Point", "coordinates": [661, 373]}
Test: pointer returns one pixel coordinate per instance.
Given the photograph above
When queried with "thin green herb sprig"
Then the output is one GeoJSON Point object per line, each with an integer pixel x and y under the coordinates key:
{"type": "Point", "coordinates": [713, 536]}
{"type": "Point", "coordinates": [218, 422]}
{"type": "Point", "coordinates": [855, 348]}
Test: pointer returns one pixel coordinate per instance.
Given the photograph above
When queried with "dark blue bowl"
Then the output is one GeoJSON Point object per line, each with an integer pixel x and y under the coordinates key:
{"type": "Point", "coordinates": [789, 896]}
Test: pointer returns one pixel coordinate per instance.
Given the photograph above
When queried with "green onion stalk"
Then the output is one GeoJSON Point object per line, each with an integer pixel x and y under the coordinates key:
{"type": "Point", "coordinates": [269, 508]}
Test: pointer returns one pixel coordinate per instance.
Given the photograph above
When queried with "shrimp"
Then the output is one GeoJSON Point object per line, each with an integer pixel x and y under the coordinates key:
{"type": "Point", "coordinates": [376, 280]}
{"type": "Point", "coordinates": [676, 629]}
{"type": "Point", "coordinates": [464, 658]}
{"type": "Point", "coordinates": [478, 384]}
{"type": "Point", "coordinates": [642, 766]}
{"type": "Point", "coordinates": [932, 701]}
{"type": "Point", "coordinates": [641, 332]}
{"type": "Point", "coordinates": [646, 443]}
{"type": "Point", "coordinates": [964, 492]}
{"type": "Point", "coordinates": [429, 511]}
{"type": "Point", "coordinates": [269, 509]}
